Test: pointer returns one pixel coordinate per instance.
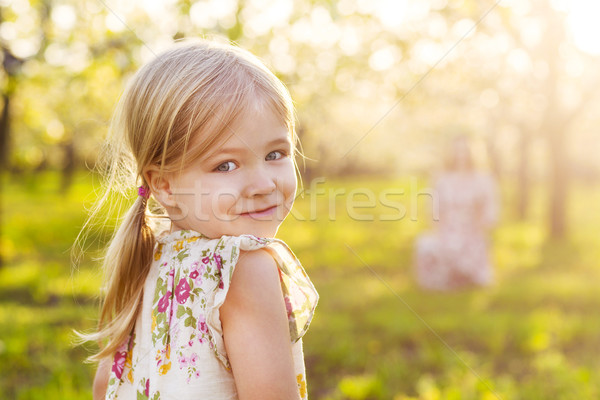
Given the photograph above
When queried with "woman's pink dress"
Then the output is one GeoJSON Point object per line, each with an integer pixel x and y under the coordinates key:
{"type": "Point", "coordinates": [456, 253]}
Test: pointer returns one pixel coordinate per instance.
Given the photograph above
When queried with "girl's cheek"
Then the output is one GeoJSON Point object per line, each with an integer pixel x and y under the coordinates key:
{"type": "Point", "coordinates": [226, 199]}
{"type": "Point", "coordinates": [292, 185]}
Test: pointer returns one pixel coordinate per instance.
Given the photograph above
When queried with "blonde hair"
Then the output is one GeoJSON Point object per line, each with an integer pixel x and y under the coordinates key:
{"type": "Point", "coordinates": [196, 88]}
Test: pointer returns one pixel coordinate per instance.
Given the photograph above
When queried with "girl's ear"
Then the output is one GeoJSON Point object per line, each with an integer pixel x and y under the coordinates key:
{"type": "Point", "coordinates": [160, 186]}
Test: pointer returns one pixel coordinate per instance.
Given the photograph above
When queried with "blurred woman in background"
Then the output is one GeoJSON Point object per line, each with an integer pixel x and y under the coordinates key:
{"type": "Point", "coordinates": [455, 254]}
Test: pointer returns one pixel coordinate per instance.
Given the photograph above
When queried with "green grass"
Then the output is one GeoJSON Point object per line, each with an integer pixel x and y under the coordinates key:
{"type": "Point", "coordinates": [533, 335]}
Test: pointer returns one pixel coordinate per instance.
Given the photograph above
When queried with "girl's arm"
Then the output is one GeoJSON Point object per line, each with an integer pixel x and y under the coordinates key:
{"type": "Point", "coordinates": [256, 331]}
{"type": "Point", "coordinates": [101, 379]}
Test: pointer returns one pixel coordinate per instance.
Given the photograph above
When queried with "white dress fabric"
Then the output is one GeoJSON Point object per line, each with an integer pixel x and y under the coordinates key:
{"type": "Point", "coordinates": [177, 350]}
{"type": "Point", "coordinates": [456, 253]}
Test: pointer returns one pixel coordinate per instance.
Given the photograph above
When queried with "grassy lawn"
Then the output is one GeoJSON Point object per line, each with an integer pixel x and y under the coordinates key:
{"type": "Point", "coordinates": [534, 335]}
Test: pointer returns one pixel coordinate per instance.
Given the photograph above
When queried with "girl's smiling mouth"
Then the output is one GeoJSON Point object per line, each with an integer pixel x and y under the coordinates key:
{"type": "Point", "coordinates": [261, 212]}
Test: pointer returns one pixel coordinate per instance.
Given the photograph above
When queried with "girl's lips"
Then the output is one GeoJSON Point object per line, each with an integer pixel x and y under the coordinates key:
{"type": "Point", "coordinates": [261, 213]}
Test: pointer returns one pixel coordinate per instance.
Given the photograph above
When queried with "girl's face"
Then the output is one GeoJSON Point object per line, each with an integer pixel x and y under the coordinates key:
{"type": "Point", "coordinates": [247, 185]}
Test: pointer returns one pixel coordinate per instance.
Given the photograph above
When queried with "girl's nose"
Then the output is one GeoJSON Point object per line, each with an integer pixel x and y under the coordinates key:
{"type": "Point", "coordinates": [260, 183]}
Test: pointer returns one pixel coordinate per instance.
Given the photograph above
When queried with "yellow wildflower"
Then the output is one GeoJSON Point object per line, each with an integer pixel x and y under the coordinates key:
{"type": "Point", "coordinates": [178, 246]}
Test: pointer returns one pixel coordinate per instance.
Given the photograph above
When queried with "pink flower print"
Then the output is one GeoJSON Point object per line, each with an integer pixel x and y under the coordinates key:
{"type": "Point", "coordinates": [119, 363]}
{"type": "Point", "coordinates": [218, 260]}
{"type": "Point", "coordinates": [202, 327]}
{"type": "Point", "coordinates": [197, 272]}
{"type": "Point", "coordinates": [288, 306]}
{"type": "Point", "coordinates": [197, 374]}
{"type": "Point", "coordinates": [147, 391]}
{"type": "Point", "coordinates": [206, 260]}
{"type": "Point", "coordinates": [191, 343]}
{"type": "Point", "coordinates": [170, 278]}
{"type": "Point", "coordinates": [171, 315]}
{"type": "Point", "coordinates": [182, 292]}
{"type": "Point", "coordinates": [163, 303]}
{"type": "Point", "coordinates": [183, 362]}
{"type": "Point", "coordinates": [221, 284]}
{"type": "Point", "coordinates": [194, 270]}
{"type": "Point", "coordinates": [193, 359]}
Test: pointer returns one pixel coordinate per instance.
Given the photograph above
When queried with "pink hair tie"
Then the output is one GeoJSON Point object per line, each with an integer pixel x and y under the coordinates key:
{"type": "Point", "coordinates": [144, 192]}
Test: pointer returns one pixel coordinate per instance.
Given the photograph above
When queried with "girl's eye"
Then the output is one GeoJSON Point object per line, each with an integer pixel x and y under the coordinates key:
{"type": "Point", "coordinates": [274, 155]}
{"type": "Point", "coordinates": [226, 166]}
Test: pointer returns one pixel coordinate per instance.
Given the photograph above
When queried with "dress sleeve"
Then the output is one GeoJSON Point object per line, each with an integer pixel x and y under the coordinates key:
{"type": "Point", "coordinates": [299, 293]}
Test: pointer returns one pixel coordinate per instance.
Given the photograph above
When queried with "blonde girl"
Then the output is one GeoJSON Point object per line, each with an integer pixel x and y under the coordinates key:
{"type": "Point", "coordinates": [212, 306]}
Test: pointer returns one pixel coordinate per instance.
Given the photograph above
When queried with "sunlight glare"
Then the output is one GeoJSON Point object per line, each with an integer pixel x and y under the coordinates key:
{"type": "Point", "coordinates": [114, 22]}
{"type": "Point", "coordinates": [582, 19]}
{"type": "Point", "coordinates": [383, 59]}
{"type": "Point", "coordinates": [392, 13]}
{"type": "Point", "coordinates": [64, 17]}
{"type": "Point", "coordinates": [263, 15]}
{"type": "Point", "coordinates": [582, 22]}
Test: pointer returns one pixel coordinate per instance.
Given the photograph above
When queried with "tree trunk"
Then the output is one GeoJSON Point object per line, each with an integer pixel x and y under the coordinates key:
{"type": "Point", "coordinates": [4, 131]}
{"type": "Point", "coordinates": [68, 168]}
{"type": "Point", "coordinates": [554, 126]}
{"type": "Point", "coordinates": [523, 189]}
{"type": "Point", "coordinates": [493, 155]}
{"type": "Point", "coordinates": [560, 183]}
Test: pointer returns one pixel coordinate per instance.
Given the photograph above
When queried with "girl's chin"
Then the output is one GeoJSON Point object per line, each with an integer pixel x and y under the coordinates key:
{"type": "Point", "coordinates": [266, 232]}
{"type": "Point", "coordinates": [258, 233]}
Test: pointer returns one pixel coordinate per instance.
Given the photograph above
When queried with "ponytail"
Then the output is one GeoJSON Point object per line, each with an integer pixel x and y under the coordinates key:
{"type": "Point", "coordinates": [126, 266]}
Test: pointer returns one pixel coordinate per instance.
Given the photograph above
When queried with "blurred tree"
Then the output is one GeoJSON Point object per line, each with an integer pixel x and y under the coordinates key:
{"type": "Point", "coordinates": [10, 69]}
{"type": "Point", "coordinates": [10, 65]}
{"type": "Point", "coordinates": [529, 63]}
{"type": "Point", "coordinates": [376, 84]}
{"type": "Point", "coordinates": [558, 118]}
{"type": "Point", "coordinates": [553, 51]}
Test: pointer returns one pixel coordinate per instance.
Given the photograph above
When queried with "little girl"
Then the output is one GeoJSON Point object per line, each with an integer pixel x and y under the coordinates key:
{"type": "Point", "coordinates": [213, 307]}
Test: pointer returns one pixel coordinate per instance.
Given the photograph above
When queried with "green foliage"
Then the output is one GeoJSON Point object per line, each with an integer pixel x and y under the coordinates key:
{"type": "Point", "coordinates": [375, 336]}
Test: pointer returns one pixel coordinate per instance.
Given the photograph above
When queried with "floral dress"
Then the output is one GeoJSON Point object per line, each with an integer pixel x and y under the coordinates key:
{"type": "Point", "coordinates": [177, 350]}
{"type": "Point", "coordinates": [456, 253]}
